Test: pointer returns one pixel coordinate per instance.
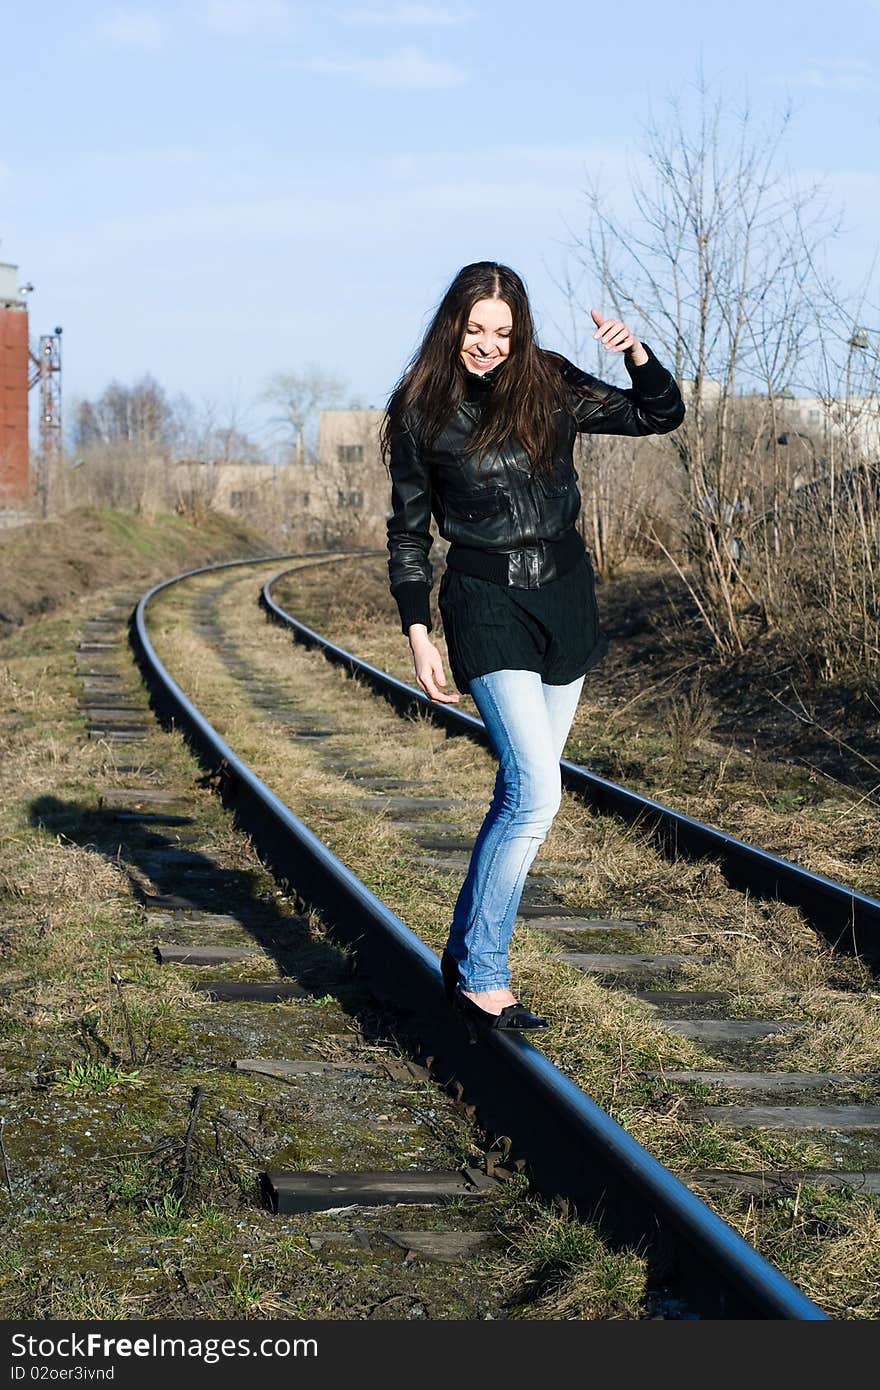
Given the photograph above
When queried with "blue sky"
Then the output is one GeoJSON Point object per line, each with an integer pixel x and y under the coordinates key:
{"type": "Point", "coordinates": [212, 190]}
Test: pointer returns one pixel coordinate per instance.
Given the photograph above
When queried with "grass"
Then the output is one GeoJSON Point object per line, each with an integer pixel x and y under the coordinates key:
{"type": "Point", "coordinates": [48, 566]}
{"type": "Point", "coordinates": [95, 1077]}
{"type": "Point", "coordinates": [80, 1298]}
{"type": "Point", "coordinates": [70, 923]}
{"type": "Point", "coordinates": [603, 1039]}
{"type": "Point", "coordinates": [165, 1215]}
{"type": "Point", "coordinates": [106, 1048]}
{"type": "Point", "coordinates": [653, 715]}
{"type": "Point", "coordinates": [561, 1268]}
{"type": "Point", "coordinates": [249, 1296]}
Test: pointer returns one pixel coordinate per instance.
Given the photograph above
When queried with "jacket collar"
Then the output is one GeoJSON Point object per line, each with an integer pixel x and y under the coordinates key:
{"type": "Point", "coordinates": [478, 385]}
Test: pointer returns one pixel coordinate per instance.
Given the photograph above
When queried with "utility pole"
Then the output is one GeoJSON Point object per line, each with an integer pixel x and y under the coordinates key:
{"type": "Point", "coordinates": [47, 371]}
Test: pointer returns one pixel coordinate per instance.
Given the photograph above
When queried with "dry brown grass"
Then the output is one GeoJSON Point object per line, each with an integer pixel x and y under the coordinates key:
{"type": "Point", "coordinates": [560, 1268]}
{"type": "Point", "coordinates": [79, 900]}
{"type": "Point", "coordinates": [655, 738]}
{"type": "Point", "coordinates": [46, 566]}
{"type": "Point", "coordinates": [69, 913]}
{"type": "Point", "coordinates": [603, 1039]}
{"type": "Point", "coordinates": [774, 963]}
{"type": "Point", "coordinates": [371, 845]}
{"type": "Point", "coordinates": [69, 918]}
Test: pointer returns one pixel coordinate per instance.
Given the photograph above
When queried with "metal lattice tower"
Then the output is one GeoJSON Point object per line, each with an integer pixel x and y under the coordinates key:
{"type": "Point", "coordinates": [47, 371]}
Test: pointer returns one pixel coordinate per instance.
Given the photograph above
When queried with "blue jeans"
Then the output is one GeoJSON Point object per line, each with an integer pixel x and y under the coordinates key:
{"type": "Point", "coordinates": [528, 723]}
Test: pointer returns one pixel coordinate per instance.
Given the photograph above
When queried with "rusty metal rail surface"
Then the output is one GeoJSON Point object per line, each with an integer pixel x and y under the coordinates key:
{"type": "Point", "coordinates": [571, 1146]}
{"type": "Point", "coordinates": [848, 919]}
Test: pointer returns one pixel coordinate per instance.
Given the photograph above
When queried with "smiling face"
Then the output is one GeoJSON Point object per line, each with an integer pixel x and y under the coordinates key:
{"type": "Point", "coordinates": [486, 339]}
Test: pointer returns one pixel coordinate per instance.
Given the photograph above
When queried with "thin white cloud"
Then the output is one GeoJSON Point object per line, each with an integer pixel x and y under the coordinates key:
{"type": "Point", "coordinates": [398, 16]}
{"type": "Point", "coordinates": [151, 162]}
{"type": "Point", "coordinates": [408, 68]}
{"type": "Point", "coordinates": [832, 74]}
{"type": "Point", "coordinates": [551, 162]}
{"type": "Point", "coordinates": [127, 27]}
{"type": "Point", "coordinates": [245, 16]}
{"type": "Point", "coordinates": [204, 205]}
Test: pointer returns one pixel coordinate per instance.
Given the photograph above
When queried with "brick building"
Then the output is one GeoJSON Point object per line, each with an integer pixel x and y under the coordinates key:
{"type": "Point", "coordinates": [14, 369]}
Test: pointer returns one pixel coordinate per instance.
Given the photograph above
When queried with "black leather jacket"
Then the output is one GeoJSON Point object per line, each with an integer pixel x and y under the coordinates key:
{"type": "Point", "coordinates": [490, 501]}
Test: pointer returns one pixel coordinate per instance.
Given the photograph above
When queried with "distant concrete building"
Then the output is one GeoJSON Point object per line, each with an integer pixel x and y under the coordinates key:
{"type": "Point", "coordinates": [238, 487]}
{"type": "Point", "coordinates": [14, 372]}
{"type": "Point", "coordinates": [711, 391]}
{"type": "Point", "coordinates": [349, 487]}
{"type": "Point", "coordinates": [853, 419]}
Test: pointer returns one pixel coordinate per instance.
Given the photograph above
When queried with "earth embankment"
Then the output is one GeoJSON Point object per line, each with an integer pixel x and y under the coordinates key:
{"type": "Point", "coordinates": [45, 566]}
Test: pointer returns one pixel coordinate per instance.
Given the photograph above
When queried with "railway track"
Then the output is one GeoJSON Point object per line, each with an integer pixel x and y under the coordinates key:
{"type": "Point", "coordinates": [388, 1150]}
{"type": "Point", "coordinates": [848, 919]}
{"type": "Point", "coordinates": [285, 1056]}
{"type": "Point", "coordinates": [739, 1090]}
{"type": "Point", "coordinates": [572, 1148]}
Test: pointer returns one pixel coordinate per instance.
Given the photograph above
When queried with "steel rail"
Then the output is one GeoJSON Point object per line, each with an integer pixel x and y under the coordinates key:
{"type": "Point", "coordinates": [850, 920]}
{"type": "Point", "coordinates": [572, 1147]}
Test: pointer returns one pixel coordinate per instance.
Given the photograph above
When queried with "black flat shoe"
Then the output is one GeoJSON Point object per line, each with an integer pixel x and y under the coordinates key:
{"type": "Point", "coordinates": [514, 1018]}
{"type": "Point", "coordinates": [449, 971]}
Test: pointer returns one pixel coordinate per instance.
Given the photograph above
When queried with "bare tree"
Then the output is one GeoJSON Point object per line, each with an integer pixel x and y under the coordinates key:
{"type": "Point", "coordinates": [626, 498]}
{"type": "Point", "coordinates": [141, 449]}
{"type": "Point", "coordinates": [215, 432]}
{"type": "Point", "coordinates": [718, 269]}
{"type": "Point", "coordinates": [830, 608]}
{"type": "Point", "coordinates": [141, 415]}
{"type": "Point", "coordinates": [298, 397]}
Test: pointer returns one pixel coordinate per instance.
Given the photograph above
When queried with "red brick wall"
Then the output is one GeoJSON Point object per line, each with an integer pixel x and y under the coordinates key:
{"type": "Point", "coordinates": [14, 473]}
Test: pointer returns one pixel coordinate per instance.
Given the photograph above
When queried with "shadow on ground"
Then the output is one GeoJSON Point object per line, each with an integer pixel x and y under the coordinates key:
{"type": "Point", "coordinates": [167, 873]}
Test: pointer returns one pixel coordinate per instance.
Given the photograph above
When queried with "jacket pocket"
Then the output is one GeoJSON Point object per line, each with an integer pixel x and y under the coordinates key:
{"type": "Point", "coordinates": [556, 485]}
{"type": "Point", "coordinates": [477, 506]}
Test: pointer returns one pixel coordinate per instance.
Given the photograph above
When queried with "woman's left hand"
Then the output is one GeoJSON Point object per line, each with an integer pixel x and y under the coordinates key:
{"type": "Point", "coordinates": [614, 335]}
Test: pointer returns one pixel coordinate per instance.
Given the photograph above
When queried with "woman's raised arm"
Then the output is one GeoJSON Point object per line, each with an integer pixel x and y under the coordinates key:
{"type": "Point", "coordinates": [652, 405]}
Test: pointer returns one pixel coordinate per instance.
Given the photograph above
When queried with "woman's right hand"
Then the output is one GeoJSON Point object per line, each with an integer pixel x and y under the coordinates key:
{"type": "Point", "coordinates": [428, 665]}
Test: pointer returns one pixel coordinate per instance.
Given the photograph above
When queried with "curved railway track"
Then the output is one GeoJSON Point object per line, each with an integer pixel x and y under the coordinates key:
{"type": "Point", "coordinates": [314, 1068]}
{"type": "Point", "coordinates": [573, 1150]}
{"type": "Point", "coordinates": [742, 1093]}
{"type": "Point", "coordinates": [850, 920]}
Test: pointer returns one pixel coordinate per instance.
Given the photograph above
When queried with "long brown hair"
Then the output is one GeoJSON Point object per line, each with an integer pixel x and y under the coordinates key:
{"type": "Point", "coordinates": [526, 393]}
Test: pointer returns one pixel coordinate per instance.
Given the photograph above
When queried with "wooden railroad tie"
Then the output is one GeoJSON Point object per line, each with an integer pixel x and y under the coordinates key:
{"type": "Point", "coordinates": [263, 991]}
{"type": "Point", "coordinates": [289, 1192]}
{"type": "Point", "coordinates": [170, 954]}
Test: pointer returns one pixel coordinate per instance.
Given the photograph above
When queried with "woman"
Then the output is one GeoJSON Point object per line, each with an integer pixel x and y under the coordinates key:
{"type": "Point", "coordinates": [480, 431]}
